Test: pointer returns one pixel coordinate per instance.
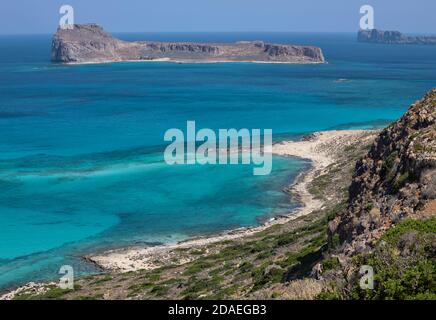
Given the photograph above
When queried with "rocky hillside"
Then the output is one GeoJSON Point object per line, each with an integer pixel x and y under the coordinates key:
{"type": "Point", "coordinates": [393, 37]}
{"type": "Point", "coordinates": [395, 180]}
{"type": "Point", "coordinates": [90, 43]}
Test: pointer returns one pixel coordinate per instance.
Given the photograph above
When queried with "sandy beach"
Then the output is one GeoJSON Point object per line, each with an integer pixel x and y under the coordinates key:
{"type": "Point", "coordinates": [320, 148]}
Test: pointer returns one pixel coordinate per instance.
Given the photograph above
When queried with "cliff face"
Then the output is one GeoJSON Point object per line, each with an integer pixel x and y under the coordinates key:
{"type": "Point", "coordinates": [85, 42]}
{"type": "Point", "coordinates": [395, 180]}
{"type": "Point", "coordinates": [90, 43]}
{"type": "Point", "coordinates": [392, 37]}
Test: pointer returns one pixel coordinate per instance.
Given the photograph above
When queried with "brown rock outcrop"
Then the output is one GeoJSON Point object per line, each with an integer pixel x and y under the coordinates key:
{"type": "Point", "coordinates": [395, 180]}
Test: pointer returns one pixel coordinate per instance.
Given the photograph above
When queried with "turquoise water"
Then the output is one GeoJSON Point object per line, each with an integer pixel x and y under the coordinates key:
{"type": "Point", "coordinates": [81, 165]}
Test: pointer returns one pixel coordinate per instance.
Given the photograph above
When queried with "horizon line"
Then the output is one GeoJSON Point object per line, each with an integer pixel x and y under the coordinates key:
{"type": "Point", "coordinates": [209, 31]}
{"type": "Point", "coordinates": [218, 31]}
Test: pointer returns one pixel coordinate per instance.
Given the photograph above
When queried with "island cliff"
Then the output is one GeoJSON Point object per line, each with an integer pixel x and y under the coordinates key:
{"type": "Point", "coordinates": [393, 37]}
{"type": "Point", "coordinates": [89, 43]}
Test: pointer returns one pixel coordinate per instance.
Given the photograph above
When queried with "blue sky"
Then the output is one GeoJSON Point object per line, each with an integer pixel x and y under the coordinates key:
{"type": "Point", "coordinates": [41, 16]}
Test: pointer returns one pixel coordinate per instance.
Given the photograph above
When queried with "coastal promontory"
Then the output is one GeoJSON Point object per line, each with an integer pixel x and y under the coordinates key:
{"type": "Point", "coordinates": [89, 43]}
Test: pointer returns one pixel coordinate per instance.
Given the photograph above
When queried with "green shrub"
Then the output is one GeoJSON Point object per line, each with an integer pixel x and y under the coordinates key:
{"type": "Point", "coordinates": [422, 226]}
{"type": "Point", "coordinates": [330, 263]}
{"type": "Point", "coordinates": [404, 263]}
{"type": "Point", "coordinates": [328, 295]}
{"type": "Point", "coordinates": [336, 241]}
{"type": "Point", "coordinates": [388, 166]}
{"type": "Point", "coordinates": [400, 182]}
{"type": "Point", "coordinates": [266, 274]}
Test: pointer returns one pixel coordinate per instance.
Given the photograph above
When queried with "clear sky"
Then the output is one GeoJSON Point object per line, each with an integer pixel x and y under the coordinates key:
{"type": "Point", "coordinates": [42, 16]}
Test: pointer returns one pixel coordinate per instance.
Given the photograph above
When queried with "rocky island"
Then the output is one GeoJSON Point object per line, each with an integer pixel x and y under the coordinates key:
{"type": "Point", "coordinates": [89, 43]}
{"type": "Point", "coordinates": [393, 37]}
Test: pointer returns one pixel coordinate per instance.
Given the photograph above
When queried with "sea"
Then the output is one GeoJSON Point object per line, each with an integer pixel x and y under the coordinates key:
{"type": "Point", "coordinates": [81, 146]}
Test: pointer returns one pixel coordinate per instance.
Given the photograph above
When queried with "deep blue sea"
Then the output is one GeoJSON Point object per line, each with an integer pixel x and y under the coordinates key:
{"type": "Point", "coordinates": [81, 163]}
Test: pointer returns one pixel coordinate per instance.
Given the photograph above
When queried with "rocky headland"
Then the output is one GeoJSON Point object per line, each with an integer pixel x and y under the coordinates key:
{"type": "Point", "coordinates": [393, 37]}
{"type": "Point", "coordinates": [89, 43]}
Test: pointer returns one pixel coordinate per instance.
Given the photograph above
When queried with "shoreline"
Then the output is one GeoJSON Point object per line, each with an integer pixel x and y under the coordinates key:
{"type": "Point", "coordinates": [319, 148]}
{"type": "Point", "coordinates": [169, 60]}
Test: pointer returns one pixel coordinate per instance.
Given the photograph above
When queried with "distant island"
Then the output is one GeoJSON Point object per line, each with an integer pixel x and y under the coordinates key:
{"type": "Point", "coordinates": [393, 37]}
{"type": "Point", "coordinates": [89, 43]}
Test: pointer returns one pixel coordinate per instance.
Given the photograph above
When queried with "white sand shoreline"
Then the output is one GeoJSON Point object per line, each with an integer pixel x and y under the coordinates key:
{"type": "Point", "coordinates": [169, 60]}
{"type": "Point", "coordinates": [319, 148]}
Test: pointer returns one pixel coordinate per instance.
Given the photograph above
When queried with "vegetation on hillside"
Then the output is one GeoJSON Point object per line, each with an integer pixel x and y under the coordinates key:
{"type": "Point", "coordinates": [404, 264]}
